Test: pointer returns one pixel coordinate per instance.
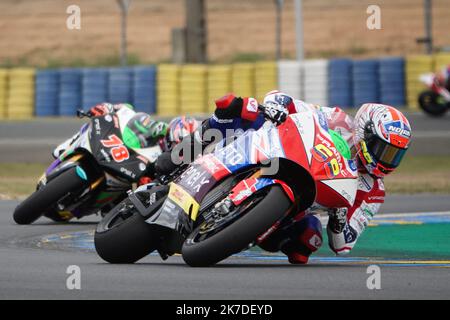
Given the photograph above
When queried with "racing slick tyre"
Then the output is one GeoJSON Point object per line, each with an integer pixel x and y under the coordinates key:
{"type": "Point", "coordinates": [42, 199]}
{"type": "Point", "coordinates": [429, 102]}
{"type": "Point", "coordinates": [123, 236]}
{"type": "Point", "coordinates": [257, 215]}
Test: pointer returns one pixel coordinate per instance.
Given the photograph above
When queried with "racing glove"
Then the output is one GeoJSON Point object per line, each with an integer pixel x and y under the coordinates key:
{"type": "Point", "coordinates": [337, 219]}
{"type": "Point", "coordinates": [101, 109]}
{"type": "Point", "coordinates": [230, 107]}
{"type": "Point", "coordinates": [275, 112]}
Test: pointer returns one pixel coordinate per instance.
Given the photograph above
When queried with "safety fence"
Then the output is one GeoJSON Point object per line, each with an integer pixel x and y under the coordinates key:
{"type": "Point", "coordinates": [168, 89]}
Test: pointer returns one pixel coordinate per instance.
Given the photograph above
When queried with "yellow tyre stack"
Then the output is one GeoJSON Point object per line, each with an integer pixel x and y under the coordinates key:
{"type": "Point", "coordinates": [416, 66]}
{"type": "Point", "coordinates": [219, 84]}
{"type": "Point", "coordinates": [266, 79]}
{"type": "Point", "coordinates": [3, 92]}
{"type": "Point", "coordinates": [168, 93]}
{"type": "Point", "coordinates": [20, 103]}
{"type": "Point", "coordinates": [193, 89]}
{"type": "Point", "coordinates": [441, 61]}
{"type": "Point", "coordinates": [243, 79]}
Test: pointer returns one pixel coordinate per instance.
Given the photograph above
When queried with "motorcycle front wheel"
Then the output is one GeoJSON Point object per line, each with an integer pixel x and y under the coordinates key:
{"type": "Point", "coordinates": [429, 102]}
{"type": "Point", "coordinates": [212, 241]}
{"type": "Point", "coordinates": [123, 236]}
{"type": "Point", "coordinates": [42, 199]}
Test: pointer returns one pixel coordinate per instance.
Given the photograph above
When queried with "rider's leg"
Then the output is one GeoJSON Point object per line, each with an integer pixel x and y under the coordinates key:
{"type": "Point", "coordinates": [305, 238]}
{"type": "Point", "coordinates": [298, 240]}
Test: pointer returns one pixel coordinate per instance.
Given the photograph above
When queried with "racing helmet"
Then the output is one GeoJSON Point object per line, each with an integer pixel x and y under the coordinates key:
{"type": "Point", "coordinates": [276, 97]}
{"type": "Point", "coordinates": [142, 131]}
{"type": "Point", "coordinates": [179, 128]}
{"type": "Point", "coordinates": [381, 136]}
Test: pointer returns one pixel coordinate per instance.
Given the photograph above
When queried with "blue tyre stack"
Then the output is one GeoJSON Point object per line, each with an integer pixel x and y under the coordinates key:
{"type": "Point", "coordinates": [365, 82]}
{"type": "Point", "coordinates": [47, 93]}
{"type": "Point", "coordinates": [144, 89]}
{"type": "Point", "coordinates": [340, 83]}
{"type": "Point", "coordinates": [69, 92]}
{"type": "Point", "coordinates": [120, 85]}
{"type": "Point", "coordinates": [94, 87]}
{"type": "Point", "coordinates": [392, 81]}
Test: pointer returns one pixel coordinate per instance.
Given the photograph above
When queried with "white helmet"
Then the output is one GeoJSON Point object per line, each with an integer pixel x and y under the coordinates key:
{"type": "Point", "coordinates": [381, 137]}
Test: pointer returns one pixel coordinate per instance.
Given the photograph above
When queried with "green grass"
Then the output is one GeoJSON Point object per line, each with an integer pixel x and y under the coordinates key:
{"type": "Point", "coordinates": [421, 174]}
{"type": "Point", "coordinates": [417, 174]}
{"type": "Point", "coordinates": [19, 179]}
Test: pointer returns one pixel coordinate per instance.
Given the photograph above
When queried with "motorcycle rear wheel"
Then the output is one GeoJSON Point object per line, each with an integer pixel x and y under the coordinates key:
{"type": "Point", "coordinates": [428, 101]}
{"type": "Point", "coordinates": [236, 236]}
{"type": "Point", "coordinates": [42, 199]}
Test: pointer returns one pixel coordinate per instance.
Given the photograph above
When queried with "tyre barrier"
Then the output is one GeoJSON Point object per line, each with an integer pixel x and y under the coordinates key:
{"type": "Point", "coordinates": [120, 83]}
{"type": "Point", "coordinates": [392, 81]}
{"type": "Point", "coordinates": [20, 100]}
{"type": "Point", "coordinates": [47, 93]}
{"type": "Point", "coordinates": [94, 87]}
{"type": "Point", "coordinates": [290, 79]}
{"type": "Point", "coordinates": [340, 83]}
{"type": "Point", "coordinates": [3, 92]}
{"type": "Point", "coordinates": [365, 82]}
{"type": "Point", "coordinates": [315, 76]}
{"type": "Point", "coordinates": [144, 89]}
{"type": "Point", "coordinates": [219, 84]}
{"type": "Point", "coordinates": [69, 91]}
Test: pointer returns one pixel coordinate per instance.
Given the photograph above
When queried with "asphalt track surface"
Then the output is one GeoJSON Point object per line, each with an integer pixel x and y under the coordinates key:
{"type": "Point", "coordinates": [29, 270]}
{"type": "Point", "coordinates": [34, 140]}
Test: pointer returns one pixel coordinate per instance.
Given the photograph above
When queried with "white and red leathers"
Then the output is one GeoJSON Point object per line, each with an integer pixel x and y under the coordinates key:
{"type": "Point", "coordinates": [304, 235]}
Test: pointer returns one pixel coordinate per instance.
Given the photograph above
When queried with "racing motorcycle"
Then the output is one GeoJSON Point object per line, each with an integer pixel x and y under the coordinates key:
{"type": "Point", "coordinates": [92, 171]}
{"type": "Point", "coordinates": [436, 100]}
{"type": "Point", "coordinates": [234, 197]}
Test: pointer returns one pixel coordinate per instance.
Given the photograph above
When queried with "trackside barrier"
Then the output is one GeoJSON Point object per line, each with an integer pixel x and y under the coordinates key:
{"type": "Point", "coordinates": [168, 93]}
{"type": "Point", "coordinates": [193, 89]}
{"type": "Point", "coordinates": [365, 82]}
{"type": "Point", "coordinates": [20, 101]}
{"type": "Point", "coordinates": [266, 78]}
{"type": "Point", "coordinates": [290, 78]}
{"type": "Point", "coordinates": [144, 89]}
{"type": "Point", "coordinates": [340, 83]}
{"type": "Point", "coordinates": [243, 79]}
{"type": "Point", "coordinates": [219, 84]}
{"type": "Point", "coordinates": [120, 85]}
{"type": "Point", "coordinates": [392, 81]}
{"type": "Point", "coordinates": [69, 91]}
{"type": "Point", "coordinates": [94, 88]}
{"type": "Point", "coordinates": [3, 92]}
{"type": "Point", "coordinates": [169, 90]}
{"type": "Point", "coordinates": [315, 84]}
{"type": "Point", "coordinates": [415, 66]}
{"type": "Point", "coordinates": [47, 93]}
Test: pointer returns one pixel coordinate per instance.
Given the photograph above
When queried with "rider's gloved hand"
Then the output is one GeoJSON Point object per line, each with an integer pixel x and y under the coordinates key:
{"type": "Point", "coordinates": [275, 112]}
{"type": "Point", "coordinates": [230, 107]}
{"type": "Point", "coordinates": [164, 164]}
{"type": "Point", "coordinates": [101, 109]}
{"type": "Point", "coordinates": [337, 219]}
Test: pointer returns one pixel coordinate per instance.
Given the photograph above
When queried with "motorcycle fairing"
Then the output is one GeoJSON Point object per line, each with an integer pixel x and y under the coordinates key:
{"type": "Point", "coordinates": [104, 129]}
{"type": "Point", "coordinates": [244, 189]}
{"type": "Point", "coordinates": [294, 140]}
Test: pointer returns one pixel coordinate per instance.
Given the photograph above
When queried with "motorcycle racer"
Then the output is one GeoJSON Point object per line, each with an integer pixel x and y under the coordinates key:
{"type": "Point", "coordinates": [378, 138]}
{"type": "Point", "coordinates": [140, 132]}
{"type": "Point", "coordinates": [443, 77]}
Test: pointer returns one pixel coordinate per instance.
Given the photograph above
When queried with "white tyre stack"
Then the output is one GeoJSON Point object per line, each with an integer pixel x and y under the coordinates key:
{"type": "Point", "coordinates": [290, 78]}
{"type": "Point", "coordinates": [315, 81]}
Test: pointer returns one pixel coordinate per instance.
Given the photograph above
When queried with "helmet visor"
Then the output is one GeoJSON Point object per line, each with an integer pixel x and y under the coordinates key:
{"type": "Point", "coordinates": [385, 153]}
